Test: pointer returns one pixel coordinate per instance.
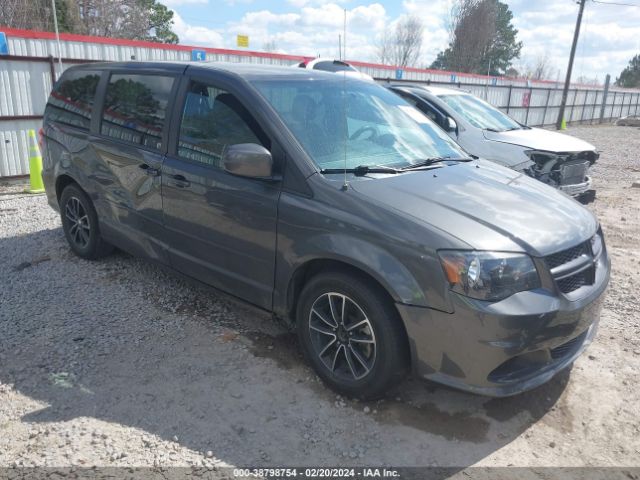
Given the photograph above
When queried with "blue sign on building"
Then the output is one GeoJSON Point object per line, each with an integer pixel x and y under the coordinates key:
{"type": "Point", "coordinates": [398, 74]}
{"type": "Point", "coordinates": [198, 55]}
{"type": "Point", "coordinates": [4, 46]}
{"type": "Point", "coordinates": [454, 78]}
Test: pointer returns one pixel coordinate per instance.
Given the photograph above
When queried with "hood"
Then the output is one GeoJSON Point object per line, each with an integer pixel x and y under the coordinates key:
{"type": "Point", "coordinates": [485, 206]}
{"type": "Point", "coordinates": [540, 139]}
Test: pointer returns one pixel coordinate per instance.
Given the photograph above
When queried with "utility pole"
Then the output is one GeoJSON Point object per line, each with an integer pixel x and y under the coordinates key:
{"type": "Point", "coordinates": [55, 23]}
{"type": "Point", "coordinates": [567, 81]}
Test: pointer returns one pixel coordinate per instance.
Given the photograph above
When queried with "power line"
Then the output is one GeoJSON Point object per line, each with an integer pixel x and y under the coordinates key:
{"type": "Point", "coordinates": [619, 4]}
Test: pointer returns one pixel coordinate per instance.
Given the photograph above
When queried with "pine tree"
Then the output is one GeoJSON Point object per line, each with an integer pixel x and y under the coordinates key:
{"type": "Point", "coordinates": [630, 76]}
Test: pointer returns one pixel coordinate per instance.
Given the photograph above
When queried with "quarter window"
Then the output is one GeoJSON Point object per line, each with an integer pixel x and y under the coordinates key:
{"type": "Point", "coordinates": [213, 119]}
{"type": "Point", "coordinates": [135, 108]}
{"type": "Point", "coordinates": [72, 99]}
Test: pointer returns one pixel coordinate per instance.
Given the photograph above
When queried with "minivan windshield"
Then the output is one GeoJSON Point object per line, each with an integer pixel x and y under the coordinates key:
{"type": "Point", "coordinates": [335, 117]}
{"type": "Point", "coordinates": [479, 113]}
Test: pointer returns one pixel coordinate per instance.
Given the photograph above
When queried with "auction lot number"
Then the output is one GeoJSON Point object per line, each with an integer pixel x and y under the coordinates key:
{"type": "Point", "coordinates": [275, 473]}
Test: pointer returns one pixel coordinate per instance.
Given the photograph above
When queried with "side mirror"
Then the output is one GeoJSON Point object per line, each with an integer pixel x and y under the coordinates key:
{"type": "Point", "coordinates": [452, 126]}
{"type": "Point", "coordinates": [248, 160]}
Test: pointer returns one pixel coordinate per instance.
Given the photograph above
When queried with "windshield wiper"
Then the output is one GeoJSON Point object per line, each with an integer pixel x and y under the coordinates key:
{"type": "Point", "coordinates": [427, 162]}
{"type": "Point", "coordinates": [505, 130]}
{"type": "Point", "coordinates": [362, 170]}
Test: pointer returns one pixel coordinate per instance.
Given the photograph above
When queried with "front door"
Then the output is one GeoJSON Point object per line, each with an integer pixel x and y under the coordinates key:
{"type": "Point", "coordinates": [221, 228]}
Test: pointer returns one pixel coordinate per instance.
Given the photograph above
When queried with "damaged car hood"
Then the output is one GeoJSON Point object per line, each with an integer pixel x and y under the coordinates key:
{"type": "Point", "coordinates": [497, 208]}
{"type": "Point", "coordinates": [540, 139]}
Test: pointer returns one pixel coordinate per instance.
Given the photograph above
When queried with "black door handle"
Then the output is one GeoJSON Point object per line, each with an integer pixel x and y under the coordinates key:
{"type": "Point", "coordinates": [179, 181]}
{"type": "Point", "coordinates": [153, 172]}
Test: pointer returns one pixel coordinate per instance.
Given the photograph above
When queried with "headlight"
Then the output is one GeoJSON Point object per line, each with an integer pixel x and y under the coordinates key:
{"type": "Point", "coordinates": [490, 276]}
{"type": "Point", "coordinates": [596, 244]}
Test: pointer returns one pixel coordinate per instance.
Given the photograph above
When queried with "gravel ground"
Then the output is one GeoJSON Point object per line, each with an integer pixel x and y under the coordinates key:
{"type": "Point", "coordinates": [119, 362]}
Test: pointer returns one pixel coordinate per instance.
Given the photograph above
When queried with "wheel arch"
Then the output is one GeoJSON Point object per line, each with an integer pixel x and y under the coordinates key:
{"type": "Point", "coordinates": [308, 270]}
{"type": "Point", "coordinates": [331, 250]}
{"type": "Point", "coordinates": [63, 181]}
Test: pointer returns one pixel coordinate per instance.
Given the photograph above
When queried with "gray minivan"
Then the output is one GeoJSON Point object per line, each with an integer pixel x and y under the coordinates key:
{"type": "Point", "coordinates": [337, 206]}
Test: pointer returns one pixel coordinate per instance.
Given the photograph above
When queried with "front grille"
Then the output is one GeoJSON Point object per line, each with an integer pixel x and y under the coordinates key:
{"type": "Point", "coordinates": [556, 259]}
{"type": "Point", "coordinates": [569, 347]}
{"type": "Point", "coordinates": [572, 173]}
{"type": "Point", "coordinates": [574, 282]}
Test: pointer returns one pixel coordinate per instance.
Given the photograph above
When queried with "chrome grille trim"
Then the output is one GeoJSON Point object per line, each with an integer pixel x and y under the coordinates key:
{"type": "Point", "coordinates": [574, 267]}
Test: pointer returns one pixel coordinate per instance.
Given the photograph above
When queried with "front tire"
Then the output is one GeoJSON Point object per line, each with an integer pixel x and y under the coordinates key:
{"type": "Point", "coordinates": [351, 335]}
{"type": "Point", "coordinates": [80, 224]}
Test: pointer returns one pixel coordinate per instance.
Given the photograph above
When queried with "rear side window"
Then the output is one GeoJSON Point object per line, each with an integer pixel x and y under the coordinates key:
{"type": "Point", "coordinates": [213, 119]}
{"type": "Point", "coordinates": [72, 99]}
{"type": "Point", "coordinates": [135, 109]}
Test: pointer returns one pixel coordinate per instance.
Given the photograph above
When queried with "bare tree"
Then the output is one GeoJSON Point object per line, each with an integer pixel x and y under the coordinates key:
{"type": "Point", "coordinates": [113, 18]}
{"type": "Point", "coordinates": [541, 69]}
{"type": "Point", "coordinates": [472, 29]}
{"type": "Point", "coordinates": [29, 15]}
{"type": "Point", "coordinates": [384, 47]}
{"type": "Point", "coordinates": [132, 19]}
{"type": "Point", "coordinates": [586, 80]}
{"type": "Point", "coordinates": [401, 46]}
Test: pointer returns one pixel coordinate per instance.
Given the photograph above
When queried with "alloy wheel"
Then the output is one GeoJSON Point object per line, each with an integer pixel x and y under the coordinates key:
{"type": "Point", "coordinates": [79, 228]}
{"type": "Point", "coordinates": [342, 336]}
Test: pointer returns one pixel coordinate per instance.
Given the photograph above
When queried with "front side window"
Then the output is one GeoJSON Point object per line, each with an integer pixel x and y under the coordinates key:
{"type": "Point", "coordinates": [135, 108]}
{"type": "Point", "coordinates": [479, 113]}
{"type": "Point", "coordinates": [424, 107]}
{"type": "Point", "coordinates": [369, 125]}
{"type": "Point", "coordinates": [213, 119]}
{"type": "Point", "coordinates": [72, 99]}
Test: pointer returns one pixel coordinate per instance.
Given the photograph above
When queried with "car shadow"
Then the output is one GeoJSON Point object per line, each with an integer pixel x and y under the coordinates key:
{"type": "Point", "coordinates": [126, 342]}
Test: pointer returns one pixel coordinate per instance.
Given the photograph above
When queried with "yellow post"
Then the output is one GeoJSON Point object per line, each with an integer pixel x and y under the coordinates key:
{"type": "Point", "coordinates": [563, 124]}
{"type": "Point", "coordinates": [35, 165]}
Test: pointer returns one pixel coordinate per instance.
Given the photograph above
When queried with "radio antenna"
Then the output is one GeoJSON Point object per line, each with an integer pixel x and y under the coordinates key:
{"type": "Point", "coordinates": [344, 36]}
{"type": "Point", "coordinates": [345, 186]}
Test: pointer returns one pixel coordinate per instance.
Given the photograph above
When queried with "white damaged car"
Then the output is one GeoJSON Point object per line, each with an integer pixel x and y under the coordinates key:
{"type": "Point", "coordinates": [335, 66]}
{"type": "Point", "coordinates": [559, 160]}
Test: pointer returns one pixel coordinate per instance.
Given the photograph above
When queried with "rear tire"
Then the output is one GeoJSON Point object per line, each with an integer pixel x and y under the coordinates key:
{"type": "Point", "coordinates": [351, 335]}
{"type": "Point", "coordinates": [80, 224]}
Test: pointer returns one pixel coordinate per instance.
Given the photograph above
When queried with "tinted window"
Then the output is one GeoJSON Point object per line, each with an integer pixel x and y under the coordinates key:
{"type": "Point", "coordinates": [135, 108]}
{"type": "Point", "coordinates": [72, 99]}
{"type": "Point", "coordinates": [212, 119]}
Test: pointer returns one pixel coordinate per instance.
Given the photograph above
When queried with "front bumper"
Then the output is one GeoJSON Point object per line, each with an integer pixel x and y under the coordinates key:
{"type": "Point", "coordinates": [576, 189]}
{"type": "Point", "coordinates": [503, 348]}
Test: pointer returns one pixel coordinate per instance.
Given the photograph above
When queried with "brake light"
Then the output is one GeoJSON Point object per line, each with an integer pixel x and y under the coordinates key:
{"type": "Point", "coordinates": [41, 138]}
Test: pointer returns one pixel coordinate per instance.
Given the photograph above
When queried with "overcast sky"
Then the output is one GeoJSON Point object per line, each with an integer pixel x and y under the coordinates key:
{"type": "Point", "coordinates": [610, 34]}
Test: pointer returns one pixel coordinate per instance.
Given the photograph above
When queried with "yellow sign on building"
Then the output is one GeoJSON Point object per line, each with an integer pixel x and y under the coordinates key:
{"type": "Point", "coordinates": [243, 41]}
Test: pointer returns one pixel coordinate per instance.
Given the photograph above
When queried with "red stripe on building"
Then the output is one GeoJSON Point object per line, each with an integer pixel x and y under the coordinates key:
{"type": "Point", "coordinates": [72, 37]}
